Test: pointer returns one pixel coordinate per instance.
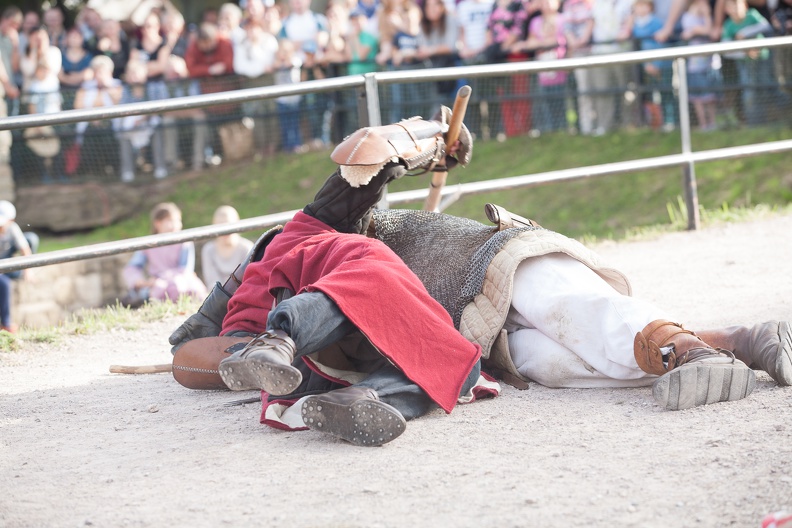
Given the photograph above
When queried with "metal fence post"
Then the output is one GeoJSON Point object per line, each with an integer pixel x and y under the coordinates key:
{"type": "Point", "coordinates": [369, 106]}
{"type": "Point", "coordinates": [370, 93]}
{"type": "Point", "coordinates": [689, 168]}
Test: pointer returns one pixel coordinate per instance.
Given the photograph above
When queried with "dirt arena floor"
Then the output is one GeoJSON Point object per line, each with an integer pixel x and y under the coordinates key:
{"type": "Point", "coordinates": [82, 447]}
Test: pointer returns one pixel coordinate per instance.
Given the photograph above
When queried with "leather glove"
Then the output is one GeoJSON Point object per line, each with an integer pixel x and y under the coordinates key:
{"type": "Point", "coordinates": [465, 151]}
{"type": "Point", "coordinates": [207, 322]}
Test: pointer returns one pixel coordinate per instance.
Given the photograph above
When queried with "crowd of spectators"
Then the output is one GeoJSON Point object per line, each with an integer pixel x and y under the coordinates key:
{"type": "Point", "coordinates": [49, 64]}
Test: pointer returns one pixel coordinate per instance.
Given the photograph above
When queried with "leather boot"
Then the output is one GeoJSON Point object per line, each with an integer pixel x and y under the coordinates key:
{"type": "Point", "coordinates": [354, 414]}
{"type": "Point", "coordinates": [692, 373]}
{"type": "Point", "coordinates": [764, 346]}
{"type": "Point", "coordinates": [265, 363]}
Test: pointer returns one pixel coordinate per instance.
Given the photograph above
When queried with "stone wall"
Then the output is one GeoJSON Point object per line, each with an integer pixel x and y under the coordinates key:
{"type": "Point", "coordinates": [53, 293]}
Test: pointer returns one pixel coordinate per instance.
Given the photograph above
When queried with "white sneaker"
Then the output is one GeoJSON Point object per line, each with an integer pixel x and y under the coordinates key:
{"type": "Point", "coordinates": [127, 176]}
{"type": "Point", "coordinates": [160, 173]}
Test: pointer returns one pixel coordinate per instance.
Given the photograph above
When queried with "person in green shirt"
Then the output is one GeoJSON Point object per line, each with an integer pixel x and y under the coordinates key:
{"type": "Point", "coordinates": [362, 46]}
{"type": "Point", "coordinates": [754, 67]}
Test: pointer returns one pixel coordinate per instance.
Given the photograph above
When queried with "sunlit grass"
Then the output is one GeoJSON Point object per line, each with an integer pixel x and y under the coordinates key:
{"type": "Point", "coordinates": [94, 320]}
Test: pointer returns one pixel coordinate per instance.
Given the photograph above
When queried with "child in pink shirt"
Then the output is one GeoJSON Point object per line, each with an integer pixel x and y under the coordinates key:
{"type": "Point", "coordinates": [164, 272]}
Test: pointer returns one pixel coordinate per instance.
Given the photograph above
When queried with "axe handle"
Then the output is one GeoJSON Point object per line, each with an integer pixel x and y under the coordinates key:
{"type": "Point", "coordinates": [439, 178]}
{"type": "Point", "coordinates": [141, 369]}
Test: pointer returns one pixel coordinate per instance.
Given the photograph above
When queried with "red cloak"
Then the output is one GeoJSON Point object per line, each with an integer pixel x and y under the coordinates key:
{"type": "Point", "coordinates": [374, 288]}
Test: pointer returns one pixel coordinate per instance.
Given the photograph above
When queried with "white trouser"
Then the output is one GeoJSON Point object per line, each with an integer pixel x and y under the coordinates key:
{"type": "Point", "coordinates": [569, 328]}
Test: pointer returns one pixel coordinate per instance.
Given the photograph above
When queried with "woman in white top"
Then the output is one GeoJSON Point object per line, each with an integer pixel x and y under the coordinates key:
{"type": "Point", "coordinates": [40, 66]}
{"type": "Point", "coordinates": [219, 257]}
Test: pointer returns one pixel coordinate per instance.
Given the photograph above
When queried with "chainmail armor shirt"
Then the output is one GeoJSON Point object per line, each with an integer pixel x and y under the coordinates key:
{"type": "Point", "coordinates": [449, 254]}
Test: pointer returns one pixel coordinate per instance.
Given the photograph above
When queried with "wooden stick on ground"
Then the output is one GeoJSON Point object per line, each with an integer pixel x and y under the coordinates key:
{"type": "Point", "coordinates": [439, 178]}
{"type": "Point", "coordinates": [141, 369]}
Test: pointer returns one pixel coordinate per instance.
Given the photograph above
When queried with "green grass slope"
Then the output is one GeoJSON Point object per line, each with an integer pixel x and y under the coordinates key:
{"type": "Point", "coordinates": [601, 207]}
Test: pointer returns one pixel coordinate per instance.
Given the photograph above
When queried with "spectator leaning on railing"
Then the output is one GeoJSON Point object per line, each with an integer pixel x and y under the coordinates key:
{"type": "Point", "coordinates": [209, 55]}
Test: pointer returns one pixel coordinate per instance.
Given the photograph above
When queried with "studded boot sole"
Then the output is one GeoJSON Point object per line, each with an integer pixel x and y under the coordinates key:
{"type": "Point", "coordinates": [701, 383]}
{"type": "Point", "coordinates": [253, 372]}
{"type": "Point", "coordinates": [364, 422]}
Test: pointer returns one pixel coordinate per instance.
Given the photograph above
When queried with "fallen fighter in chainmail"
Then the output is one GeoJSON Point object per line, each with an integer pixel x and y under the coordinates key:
{"type": "Point", "coordinates": [539, 305]}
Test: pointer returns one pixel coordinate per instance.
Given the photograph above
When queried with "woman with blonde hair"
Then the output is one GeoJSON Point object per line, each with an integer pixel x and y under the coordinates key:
{"type": "Point", "coordinates": [219, 257]}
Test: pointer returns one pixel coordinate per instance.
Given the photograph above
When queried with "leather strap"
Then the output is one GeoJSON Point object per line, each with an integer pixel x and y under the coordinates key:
{"type": "Point", "coordinates": [504, 219]}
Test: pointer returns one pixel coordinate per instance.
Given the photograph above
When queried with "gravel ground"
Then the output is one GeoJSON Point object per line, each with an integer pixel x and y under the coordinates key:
{"type": "Point", "coordinates": [80, 446]}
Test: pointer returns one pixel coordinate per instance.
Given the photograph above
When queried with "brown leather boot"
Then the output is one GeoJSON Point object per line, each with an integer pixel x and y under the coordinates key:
{"type": "Point", "coordinates": [264, 363]}
{"type": "Point", "coordinates": [354, 414]}
{"type": "Point", "coordinates": [764, 346]}
{"type": "Point", "coordinates": [691, 372]}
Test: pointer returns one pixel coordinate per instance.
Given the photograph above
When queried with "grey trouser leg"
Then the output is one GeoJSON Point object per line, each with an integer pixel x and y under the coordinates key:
{"type": "Point", "coordinates": [314, 322]}
{"type": "Point", "coordinates": [395, 389]}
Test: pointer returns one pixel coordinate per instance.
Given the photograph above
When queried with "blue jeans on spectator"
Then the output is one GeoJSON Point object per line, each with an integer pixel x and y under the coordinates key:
{"type": "Point", "coordinates": [550, 108]}
{"type": "Point", "coordinates": [6, 278]}
{"type": "Point", "coordinates": [314, 321]}
{"type": "Point", "coordinates": [289, 115]}
{"type": "Point", "coordinates": [406, 98]}
{"type": "Point", "coordinates": [32, 240]}
{"type": "Point", "coordinates": [757, 83]}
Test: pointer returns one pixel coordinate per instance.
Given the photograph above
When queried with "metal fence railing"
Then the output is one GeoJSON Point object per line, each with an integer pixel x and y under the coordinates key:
{"type": "Point", "coordinates": [370, 89]}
